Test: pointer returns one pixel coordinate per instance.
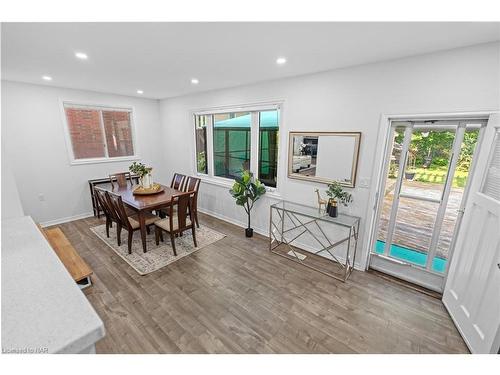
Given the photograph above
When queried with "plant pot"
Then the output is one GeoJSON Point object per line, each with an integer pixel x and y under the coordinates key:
{"type": "Point", "coordinates": [249, 232]}
{"type": "Point", "coordinates": [410, 175]}
{"type": "Point", "coordinates": [332, 208]}
{"type": "Point", "coordinates": [146, 181]}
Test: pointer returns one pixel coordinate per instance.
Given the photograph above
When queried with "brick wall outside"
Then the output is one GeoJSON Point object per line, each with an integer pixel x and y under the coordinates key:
{"type": "Point", "coordinates": [85, 132]}
{"type": "Point", "coordinates": [118, 133]}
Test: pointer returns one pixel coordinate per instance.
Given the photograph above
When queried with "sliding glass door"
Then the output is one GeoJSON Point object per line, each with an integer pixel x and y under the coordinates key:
{"type": "Point", "coordinates": [427, 167]}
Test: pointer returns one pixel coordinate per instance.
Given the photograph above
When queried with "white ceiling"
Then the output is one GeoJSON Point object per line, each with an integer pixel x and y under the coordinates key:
{"type": "Point", "coordinates": [161, 58]}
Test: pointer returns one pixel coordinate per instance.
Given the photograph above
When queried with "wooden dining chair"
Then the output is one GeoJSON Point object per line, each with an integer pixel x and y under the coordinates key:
{"type": "Point", "coordinates": [130, 223]}
{"type": "Point", "coordinates": [121, 179]}
{"type": "Point", "coordinates": [192, 184]}
{"type": "Point", "coordinates": [177, 181]}
{"type": "Point", "coordinates": [103, 202]}
{"type": "Point", "coordinates": [178, 220]}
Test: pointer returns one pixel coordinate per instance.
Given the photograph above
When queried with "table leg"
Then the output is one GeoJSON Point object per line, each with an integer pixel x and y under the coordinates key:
{"type": "Point", "coordinates": [142, 223]}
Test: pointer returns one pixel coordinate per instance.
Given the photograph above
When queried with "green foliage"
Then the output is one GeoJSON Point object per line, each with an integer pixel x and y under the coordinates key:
{"type": "Point", "coordinates": [468, 146]}
{"type": "Point", "coordinates": [437, 175]}
{"type": "Point", "coordinates": [246, 191]}
{"type": "Point", "coordinates": [392, 170]}
{"type": "Point", "coordinates": [201, 161]}
{"type": "Point", "coordinates": [437, 147]}
{"type": "Point", "coordinates": [336, 192]}
{"type": "Point", "coordinates": [139, 169]}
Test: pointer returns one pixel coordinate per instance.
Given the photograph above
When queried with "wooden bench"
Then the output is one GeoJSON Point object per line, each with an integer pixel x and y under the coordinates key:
{"type": "Point", "coordinates": [76, 266]}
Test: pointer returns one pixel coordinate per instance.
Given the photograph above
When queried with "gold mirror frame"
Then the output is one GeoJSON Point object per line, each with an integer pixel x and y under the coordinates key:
{"type": "Point", "coordinates": [357, 141]}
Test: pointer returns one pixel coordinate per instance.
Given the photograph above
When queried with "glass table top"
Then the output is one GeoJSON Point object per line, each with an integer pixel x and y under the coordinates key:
{"type": "Point", "coordinates": [315, 213]}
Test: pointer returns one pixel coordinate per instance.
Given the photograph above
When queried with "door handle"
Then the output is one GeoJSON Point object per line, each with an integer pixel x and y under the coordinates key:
{"type": "Point", "coordinates": [498, 265]}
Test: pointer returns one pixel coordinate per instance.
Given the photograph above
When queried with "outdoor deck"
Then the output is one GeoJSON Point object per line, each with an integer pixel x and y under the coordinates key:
{"type": "Point", "coordinates": [416, 218]}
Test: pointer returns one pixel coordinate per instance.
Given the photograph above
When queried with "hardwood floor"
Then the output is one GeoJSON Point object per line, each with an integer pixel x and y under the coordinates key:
{"type": "Point", "coordinates": [234, 296]}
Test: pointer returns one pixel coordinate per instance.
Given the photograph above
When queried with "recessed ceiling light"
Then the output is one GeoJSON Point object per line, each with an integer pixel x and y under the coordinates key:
{"type": "Point", "coordinates": [47, 78]}
{"type": "Point", "coordinates": [81, 55]}
{"type": "Point", "coordinates": [280, 60]}
{"type": "Point", "coordinates": [195, 81]}
{"type": "Point", "coordinates": [140, 92]}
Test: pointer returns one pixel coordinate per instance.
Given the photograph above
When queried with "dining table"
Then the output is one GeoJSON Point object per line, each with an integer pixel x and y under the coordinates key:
{"type": "Point", "coordinates": [143, 203]}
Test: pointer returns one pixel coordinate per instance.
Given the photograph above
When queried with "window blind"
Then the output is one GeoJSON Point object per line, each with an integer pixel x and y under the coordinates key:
{"type": "Point", "coordinates": [491, 185]}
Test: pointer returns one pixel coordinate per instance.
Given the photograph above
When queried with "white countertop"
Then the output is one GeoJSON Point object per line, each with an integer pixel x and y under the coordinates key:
{"type": "Point", "coordinates": [43, 310]}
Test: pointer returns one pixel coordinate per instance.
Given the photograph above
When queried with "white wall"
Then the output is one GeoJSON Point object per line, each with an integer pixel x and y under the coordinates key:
{"type": "Point", "coordinates": [350, 99]}
{"type": "Point", "coordinates": [33, 138]}
{"type": "Point", "coordinates": [11, 202]}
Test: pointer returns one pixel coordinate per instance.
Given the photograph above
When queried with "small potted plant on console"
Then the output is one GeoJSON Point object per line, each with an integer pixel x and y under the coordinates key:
{"type": "Point", "coordinates": [337, 195]}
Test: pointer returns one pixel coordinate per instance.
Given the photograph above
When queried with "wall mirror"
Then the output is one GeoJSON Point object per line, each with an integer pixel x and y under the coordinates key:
{"type": "Point", "coordinates": [324, 157]}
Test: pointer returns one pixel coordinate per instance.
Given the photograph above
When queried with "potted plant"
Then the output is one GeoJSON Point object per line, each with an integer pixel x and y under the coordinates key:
{"type": "Point", "coordinates": [337, 195]}
{"type": "Point", "coordinates": [410, 174]}
{"type": "Point", "coordinates": [247, 190]}
{"type": "Point", "coordinates": [144, 174]}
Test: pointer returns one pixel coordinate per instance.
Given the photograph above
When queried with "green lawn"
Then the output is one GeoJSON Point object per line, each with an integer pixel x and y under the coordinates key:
{"type": "Point", "coordinates": [438, 175]}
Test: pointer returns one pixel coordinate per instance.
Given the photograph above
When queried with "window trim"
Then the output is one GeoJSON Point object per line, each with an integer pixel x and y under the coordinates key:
{"type": "Point", "coordinates": [100, 107]}
{"type": "Point", "coordinates": [253, 108]}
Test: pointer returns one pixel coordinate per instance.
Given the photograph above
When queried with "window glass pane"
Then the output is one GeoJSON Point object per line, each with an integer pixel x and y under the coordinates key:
{"type": "Point", "coordinates": [427, 163]}
{"type": "Point", "coordinates": [456, 194]}
{"type": "Point", "coordinates": [231, 143]}
{"type": "Point", "coordinates": [413, 232]}
{"type": "Point", "coordinates": [118, 133]}
{"type": "Point", "coordinates": [389, 187]}
{"type": "Point", "coordinates": [268, 147]}
{"type": "Point", "coordinates": [201, 143]}
{"type": "Point", "coordinates": [85, 131]}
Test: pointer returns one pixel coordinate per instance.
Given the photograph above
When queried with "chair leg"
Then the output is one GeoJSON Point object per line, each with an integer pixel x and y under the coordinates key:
{"type": "Point", "coordinates": [108, 224]}
{"type": "Point", "coordinates": [161, 235]}
{"type": "Point", "coordinates": [172, 239]}
{"type": "Point", "coordinates": [196, 218]}
{"type": "Point", "coordinates": [194, 236]}
{"type": "Point", "coordinates": [130, 235]}
{"type": "Point", "coordinates": [148, 231]}
{"type": "Point", "coordinates": [157, 235]}
{"type": "Point", "coordinates": [119, 234]}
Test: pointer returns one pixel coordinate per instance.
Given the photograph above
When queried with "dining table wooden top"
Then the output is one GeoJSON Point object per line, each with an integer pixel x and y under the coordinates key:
{"type": "Point", "coordinates": [144, 202]}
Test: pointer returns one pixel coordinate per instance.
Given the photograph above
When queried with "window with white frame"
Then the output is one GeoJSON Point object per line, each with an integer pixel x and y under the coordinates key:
{"type": "Point", "coordinates": [99, 133]}
{"type": "Point", "coordinates": [230, 142]}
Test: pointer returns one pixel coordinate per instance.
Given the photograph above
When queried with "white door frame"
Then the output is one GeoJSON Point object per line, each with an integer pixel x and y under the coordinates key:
{"type": "Point", "coordinates": [380, 169]}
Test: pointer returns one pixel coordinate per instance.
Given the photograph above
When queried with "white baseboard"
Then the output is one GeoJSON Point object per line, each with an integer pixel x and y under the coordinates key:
{"type": "Point", "coordinates": [66, 219]}
{"type": "Point", "coordinates": [241, 224]}
{"type": "Point", "coordinates": [265, 232]}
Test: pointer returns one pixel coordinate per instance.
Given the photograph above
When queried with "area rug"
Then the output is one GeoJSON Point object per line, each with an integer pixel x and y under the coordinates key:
{"type": "Point", "coordinates": [159, 256]}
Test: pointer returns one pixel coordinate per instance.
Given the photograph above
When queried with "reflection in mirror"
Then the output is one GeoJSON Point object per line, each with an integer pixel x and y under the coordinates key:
{"type": "Point", "coordinates": [324, 157]}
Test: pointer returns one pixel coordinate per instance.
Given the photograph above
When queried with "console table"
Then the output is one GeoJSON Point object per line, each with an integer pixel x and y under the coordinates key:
{"type": "Point", "coordinates": [290, 222]}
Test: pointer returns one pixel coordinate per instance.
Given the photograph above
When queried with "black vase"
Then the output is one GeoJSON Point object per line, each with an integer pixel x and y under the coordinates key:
{"type": "Point", "coordinates": [249, 232]}
{"type": "Point", "coordinates": [332, 209]}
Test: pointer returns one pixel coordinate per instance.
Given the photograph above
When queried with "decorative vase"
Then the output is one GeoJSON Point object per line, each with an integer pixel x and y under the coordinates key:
{"type": "Point", "coordinates": [332, 208]}
{"type": "Point", "coordinates": [146, 181]}
{"type": "Point", "coordinates": [249, 232]}
{"type": "Point", "coordinates": [329, 204]}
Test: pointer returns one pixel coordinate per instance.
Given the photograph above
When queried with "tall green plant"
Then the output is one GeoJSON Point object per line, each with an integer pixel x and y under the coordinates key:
{"type": "Point", "coordinates": [247, 190]}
